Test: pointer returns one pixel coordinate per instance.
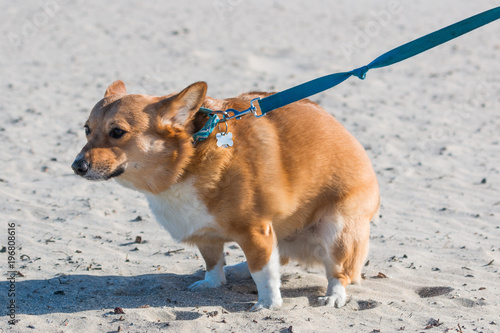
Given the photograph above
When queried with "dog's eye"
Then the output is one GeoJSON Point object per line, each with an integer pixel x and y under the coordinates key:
{"type": "Point", "coordinates": [116, 133]}
{"type": "Point", "coordinates": [87, 130]}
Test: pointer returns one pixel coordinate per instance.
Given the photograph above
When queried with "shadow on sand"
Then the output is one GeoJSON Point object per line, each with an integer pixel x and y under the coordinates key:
{"type": "Point", "coordinates": [79, 292]}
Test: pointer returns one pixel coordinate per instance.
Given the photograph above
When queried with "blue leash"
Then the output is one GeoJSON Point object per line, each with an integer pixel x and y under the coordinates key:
{"type": "Point", "coordinates": [398, 54]}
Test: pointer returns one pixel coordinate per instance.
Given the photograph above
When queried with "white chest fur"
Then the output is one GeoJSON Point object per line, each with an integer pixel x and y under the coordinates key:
{"type": "Point", "coordinates": [180, 211]}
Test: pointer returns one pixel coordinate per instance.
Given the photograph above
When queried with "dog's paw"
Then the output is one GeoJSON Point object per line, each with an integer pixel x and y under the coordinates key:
{"type": "Point", "coordinates": [335, 294]}
{"type": "Point", "coordinates": [237, 272]}
{"type": "Point", "coordinates": [204, 284]}
{"type": "Point", "coordinates": [337, 300]}
{"type": "Point", "coordinates": [266, 304]}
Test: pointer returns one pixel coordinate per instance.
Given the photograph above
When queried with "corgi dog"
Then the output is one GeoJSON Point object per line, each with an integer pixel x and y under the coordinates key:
{"type": "Point", "coordinates": [294, 185]}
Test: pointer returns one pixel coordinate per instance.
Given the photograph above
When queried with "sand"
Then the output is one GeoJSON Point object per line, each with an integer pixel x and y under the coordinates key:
{"type": "Point", "coordinates": [430, 126]}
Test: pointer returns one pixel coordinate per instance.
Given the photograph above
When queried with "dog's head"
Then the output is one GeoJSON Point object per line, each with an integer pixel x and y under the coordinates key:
{"type": "Point", "coordinates": [143, 141]}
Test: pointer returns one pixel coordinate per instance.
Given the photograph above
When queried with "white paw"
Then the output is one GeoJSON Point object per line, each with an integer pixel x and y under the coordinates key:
{"type": "Point", "coordinates": [204, 284]}
{"type": "Point", "coordinates": [335, 294]}
{"type": "Point", "coordinates": [266, 304]}
{"type": "Point", "coordinates": [337, 301]}
{"type": "Point", "coordinates": [237, 272]}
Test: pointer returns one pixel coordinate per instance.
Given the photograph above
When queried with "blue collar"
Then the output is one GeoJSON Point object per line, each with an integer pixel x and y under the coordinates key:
{"type": "Point", "coordinates": [209, 126]}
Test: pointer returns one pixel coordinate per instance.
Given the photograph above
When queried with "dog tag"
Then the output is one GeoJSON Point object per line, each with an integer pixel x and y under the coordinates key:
{"type": "Point", "coordinates": [224, 140]}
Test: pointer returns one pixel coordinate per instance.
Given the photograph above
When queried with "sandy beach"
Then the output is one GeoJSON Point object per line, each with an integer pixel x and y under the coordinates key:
{"type": "Point", "coordinates": [430, 126]}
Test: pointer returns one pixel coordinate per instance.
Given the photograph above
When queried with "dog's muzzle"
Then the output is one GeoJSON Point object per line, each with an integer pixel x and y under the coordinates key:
{"type": "Point", "coordinates": [80, 166]}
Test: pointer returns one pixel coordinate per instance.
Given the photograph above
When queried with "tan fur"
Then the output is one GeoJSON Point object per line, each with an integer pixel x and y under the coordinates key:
{"type": "Point", "coordinates": [295, 176]}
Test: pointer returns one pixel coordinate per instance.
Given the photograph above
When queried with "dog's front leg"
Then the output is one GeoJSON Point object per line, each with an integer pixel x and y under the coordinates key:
{"type": "Point", "coordinates": [213, 253]}
{"type": "Point", "coordinates": [260, 247]}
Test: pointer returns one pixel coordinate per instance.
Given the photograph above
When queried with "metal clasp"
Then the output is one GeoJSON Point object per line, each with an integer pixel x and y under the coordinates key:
{"type": "Point", "coordinates": [235, 114]}
{"type": "Point", "coordinates": [254, 109]}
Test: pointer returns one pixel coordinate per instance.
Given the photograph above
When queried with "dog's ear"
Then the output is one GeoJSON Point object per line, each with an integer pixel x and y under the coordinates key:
{"type": "Point", "coordinates": [117, 87]}
{"type": "Point", "coordinates": [180, 108]}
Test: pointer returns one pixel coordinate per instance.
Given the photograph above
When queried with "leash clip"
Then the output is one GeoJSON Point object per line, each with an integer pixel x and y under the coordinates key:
{"type": "Point", "coordinates": [224, 139]}
{"type": "Point", "coordinates": [235, 114]}
{"type": "Point", "coordinates": [254, 109]}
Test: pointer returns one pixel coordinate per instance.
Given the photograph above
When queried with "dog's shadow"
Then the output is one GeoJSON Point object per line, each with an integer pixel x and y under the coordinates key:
{"type": "Point", "coordinates": [75, 293]}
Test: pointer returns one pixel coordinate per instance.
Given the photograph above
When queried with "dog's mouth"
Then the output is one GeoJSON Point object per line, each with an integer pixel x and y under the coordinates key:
{"type": "Point", "coordinates": [98, 176]}
{"type": "Point", "coordinates": [118, 172]}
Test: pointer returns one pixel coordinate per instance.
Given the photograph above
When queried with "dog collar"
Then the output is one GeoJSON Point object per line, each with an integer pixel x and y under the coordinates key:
{"type": "Point", "coordinates": [209, 126]}
{"type": "Point", "coordinates": [226, 115]}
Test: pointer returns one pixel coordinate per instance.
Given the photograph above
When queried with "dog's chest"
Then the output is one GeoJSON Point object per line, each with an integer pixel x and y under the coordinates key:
{"type": "Point", "coordinates": [180, 211]}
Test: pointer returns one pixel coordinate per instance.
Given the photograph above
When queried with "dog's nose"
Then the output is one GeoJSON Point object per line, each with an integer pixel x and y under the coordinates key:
{"type": "Point", "coordinates": [80, 166]}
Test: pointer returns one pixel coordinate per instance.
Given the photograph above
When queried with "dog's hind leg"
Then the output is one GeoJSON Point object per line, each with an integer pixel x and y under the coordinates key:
{"type": "Point", "coordinates": [344, 263]}
{"type": "Point", "coordinates": [214, 259]}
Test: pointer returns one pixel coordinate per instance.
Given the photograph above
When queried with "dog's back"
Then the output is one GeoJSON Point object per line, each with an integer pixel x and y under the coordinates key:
{"type": "Point", "coordinates": [300, 168]}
